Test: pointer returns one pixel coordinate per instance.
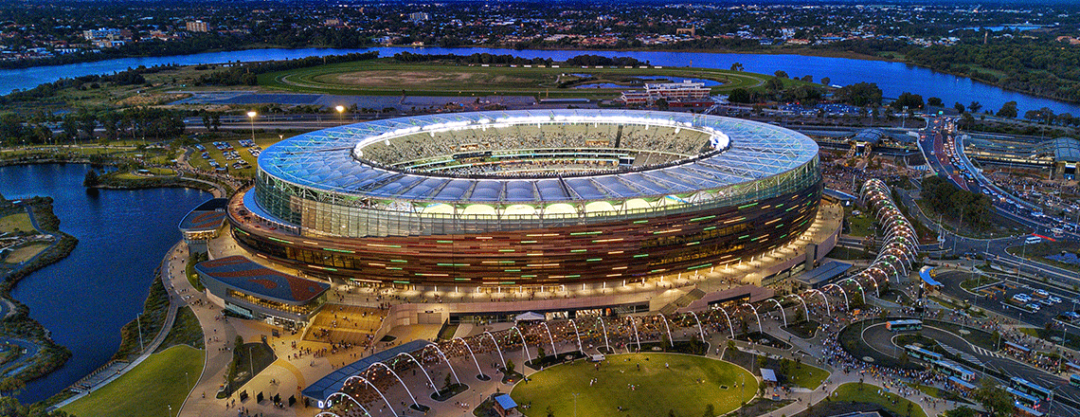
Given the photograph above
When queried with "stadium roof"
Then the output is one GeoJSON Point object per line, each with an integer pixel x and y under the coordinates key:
{"type": "Point", "coordinates": [323, 160]}
{"type": "Point", "coordinates": [209, 215]}
{"type": "Point", "coordinates": [1066, 150]}
{"type": "Point", "coordinates": [333, 382]}
{"type": "Point", "coordinates": [246, 275]}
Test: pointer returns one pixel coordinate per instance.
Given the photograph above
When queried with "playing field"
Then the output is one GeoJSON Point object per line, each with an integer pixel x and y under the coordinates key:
{"type": "Point", "coordinates": [160, 382]}
{"type": "Point", "coordinates": [686, 387]}
{"type": "Point", "coordinates": [386, 77]}
{"type": "Point", "coordinates": [18, 222]}
{"type": "Point", "coordinates": [25, 253]}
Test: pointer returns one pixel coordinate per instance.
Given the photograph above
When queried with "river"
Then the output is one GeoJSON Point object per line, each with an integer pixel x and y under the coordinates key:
{"type": "Point", "coordinates": [893, 77]}
{"type": "Point", "coordinates": [87, 297]}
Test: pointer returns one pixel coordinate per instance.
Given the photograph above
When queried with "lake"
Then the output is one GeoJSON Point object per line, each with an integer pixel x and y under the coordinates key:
{"type": "Point", "coordinates": [87, 297]}
{"type": "Point", "coordinates": [893, 77]}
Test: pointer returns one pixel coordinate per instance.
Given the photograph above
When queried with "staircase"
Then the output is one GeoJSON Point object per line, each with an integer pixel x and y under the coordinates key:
{"type": "Point", "coordinates": [683, 301]}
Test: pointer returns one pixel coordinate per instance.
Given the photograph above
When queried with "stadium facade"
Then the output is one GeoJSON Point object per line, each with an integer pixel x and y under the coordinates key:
{"type": "Point", "coordinates": [549, 197]}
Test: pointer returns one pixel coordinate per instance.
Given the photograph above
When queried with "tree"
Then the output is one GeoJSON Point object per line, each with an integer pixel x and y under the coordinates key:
{"type": "Point", "coordinates": [70, 126]}
{"type": "Point", "coordinates": [975, 106]}
{"type": "Point", "coordinates": [87, 123]}
{"type": "Point", "coordinates": [737, 67]}
{"type": "Point", "coordinates": [11, 386]}
{"type": "Point", "coordinates": [1007, 110]}
{"type": "Point", "coordinates": [91, 179]}
{"type": "Point", "coordinates": [825, 80]}
{"type": "Point", "coordinates": [9, 406]}
{"type": "Point", "coordinates": [962, 411]}
{"type": "Point", "coordinates": [710, 411]}
{"type": "Point", "coordinates": [509, 367]}
{"type": "Point", "coordinates": [909, 100]}
{"type": "Point", "coordinates": [859, 94]}
{"type": "Point", "coordinates": [447, 383]}
{"type": "Point", "coordinates": [934, 101]}
{"type": "Point", "coordinates": [780, 74]}
{"type": "Point", "coordinates": [540, 353]}
{"type": "Point", "coordinates": [994, 399]}
{"type": "Point", "coordinates": [661, 104]}
{"type": "Point", "coordinates": [807, 78]}
{"type": "Point", "coordinates": [959, 107]}
{"type": "Point", "coordinates": [740, 95]}
{"type": "Point", "coordinates": [774, 84]}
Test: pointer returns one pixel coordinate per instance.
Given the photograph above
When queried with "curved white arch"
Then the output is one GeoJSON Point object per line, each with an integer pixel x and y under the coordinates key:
{"type": "Point", "coordinates": [339, 393]}
{"type": "Point", "coordinates": [760, 328]}
{"type": "Point", "coordinates": [823, 297]}
{"type": "Point", "coordinates": [366, 381]}
{"type": "Point", "coordinates": [781, 308]}
{"type": "Point", "coordinates": [407, 390]}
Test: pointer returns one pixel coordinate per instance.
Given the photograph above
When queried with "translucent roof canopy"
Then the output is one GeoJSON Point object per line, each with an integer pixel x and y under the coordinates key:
{"type": "Point", "coordinates": [324, 160]}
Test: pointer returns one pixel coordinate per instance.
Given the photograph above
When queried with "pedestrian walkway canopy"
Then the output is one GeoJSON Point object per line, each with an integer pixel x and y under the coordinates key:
{"type": "Point", "coordinates": [821, 275]}
{"type": "Point", "coordinates": [333, 382]}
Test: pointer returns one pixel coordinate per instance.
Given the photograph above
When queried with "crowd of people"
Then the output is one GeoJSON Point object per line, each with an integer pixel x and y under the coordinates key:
{"type": "Point", "coordinates": [657, 145]}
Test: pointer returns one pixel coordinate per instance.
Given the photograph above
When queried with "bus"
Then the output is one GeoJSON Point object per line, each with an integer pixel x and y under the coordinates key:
{"type": "Point", "coordinates": [1029, 388]}
{"type": "Point", "coordinates": [1022, 398]}
{"type": "Point", "coordinates": [903, 325]}
{"type": "Point", "coordinates": [922, 354]}
{"type": "Point", "coordinates": [950, 368]}
{"type": "Point", "coordinates": [1074, 380]}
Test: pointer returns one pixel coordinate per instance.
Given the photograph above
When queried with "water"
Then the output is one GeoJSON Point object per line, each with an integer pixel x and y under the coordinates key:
{"type": "Point", "coordinates": [893, 77]}
{"type": "Point", "coordinates": [87, 297]}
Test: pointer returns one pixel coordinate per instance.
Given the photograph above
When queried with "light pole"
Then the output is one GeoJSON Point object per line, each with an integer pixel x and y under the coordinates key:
{"type": "Point", "coordinates": [341, 114]}
{"type": "Point", "coordinates": [251, 117]}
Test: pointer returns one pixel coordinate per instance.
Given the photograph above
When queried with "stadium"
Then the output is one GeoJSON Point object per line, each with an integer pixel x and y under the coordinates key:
{"type": "Point", "coordinates": [528, 198]}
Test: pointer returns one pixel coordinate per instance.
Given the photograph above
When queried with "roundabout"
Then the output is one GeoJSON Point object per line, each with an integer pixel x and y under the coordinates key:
{"type": "Point", "coordinates": [640, 384]}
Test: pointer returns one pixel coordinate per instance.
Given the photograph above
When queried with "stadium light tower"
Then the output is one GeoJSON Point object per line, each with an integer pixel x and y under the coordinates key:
{"type": "Point", "coordinates": [341, 114]}
{"type": "Point", "coordinates": [251, 117]}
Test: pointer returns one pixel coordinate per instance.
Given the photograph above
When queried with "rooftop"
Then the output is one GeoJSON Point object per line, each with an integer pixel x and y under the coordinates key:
{"type": "Point", "coordinates": [334, 381]}
{"type": "Point", "coordinates": [324, 160]}
{"type": "Point", "coordinates": [209, 215]}
{"type": "Point", "coordinates": [247, 276]}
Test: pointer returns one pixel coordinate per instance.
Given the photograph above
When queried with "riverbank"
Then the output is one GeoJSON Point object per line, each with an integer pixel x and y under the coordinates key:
{"type": "Point", "coordinates": [17, 323]}
{"type": "Point", "coordinates": [84, 301]}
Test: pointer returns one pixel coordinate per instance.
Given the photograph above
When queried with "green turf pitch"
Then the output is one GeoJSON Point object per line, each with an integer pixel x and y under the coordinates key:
{"type": "Point", "coordinates": [685, 387]}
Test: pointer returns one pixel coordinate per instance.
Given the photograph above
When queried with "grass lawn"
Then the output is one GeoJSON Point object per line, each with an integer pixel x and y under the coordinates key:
{"type": "Point", "coordinates": [185, 331]}
{"type": "Point", "coordinates": [25, 252]}
{"type": "Point", "coordinates": [861, 225]}
{"type": "Point", "coordinates": [686, 387]}
{"type": "Point", "coordinates": [869, 394]}
{"type": "Point", "coordinates": [18, 222]}
{"type": "Point", "coordinates": [147, 390]}
{"type": "Point", "coordinates": [803, 375]}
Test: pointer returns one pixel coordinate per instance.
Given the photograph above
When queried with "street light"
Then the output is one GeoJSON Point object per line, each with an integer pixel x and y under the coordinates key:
{"type": "Point", "coordinates": [341, 114]}
{"type": "Point", "coordinates": [251, 117]}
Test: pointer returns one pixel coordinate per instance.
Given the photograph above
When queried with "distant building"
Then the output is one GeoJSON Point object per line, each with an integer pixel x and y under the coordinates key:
{"type": "Point", "coordinates": [198, 26]}
{"type": "Point", "coordinates": [418, 16]}
{"type": "Point", "coordinates": [684, 94]}
{"type": "Point", "coordinates": [332, 22]}
{"type": "Point", "coordinates": [103, 34]}
{"type": "Point", "coordinates": [686, 31]}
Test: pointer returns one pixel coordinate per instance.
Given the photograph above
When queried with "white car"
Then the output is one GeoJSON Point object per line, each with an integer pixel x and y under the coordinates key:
{"type": "Point", "coordinates": [1054, 299]}
{"type": "Point", "coordinates": [1033, 306]}
{"type": "Point", "coordinates": [1041, 293]}
{"type": "Point", "coordinates": [1023, 298]}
